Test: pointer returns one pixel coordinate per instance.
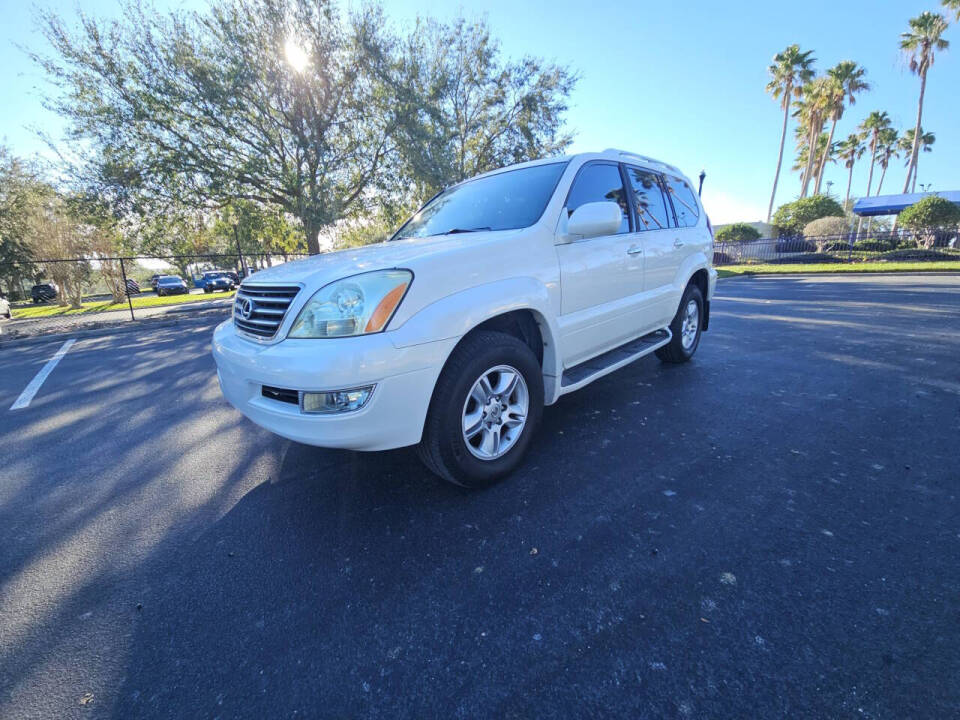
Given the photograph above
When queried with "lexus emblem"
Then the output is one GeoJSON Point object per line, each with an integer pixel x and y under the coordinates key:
{"type": "Point", "coordinates": [244, 307]}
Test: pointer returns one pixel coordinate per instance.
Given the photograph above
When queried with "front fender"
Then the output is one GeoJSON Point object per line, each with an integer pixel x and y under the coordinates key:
{"type": "Point", "coordinates": [455, 315]}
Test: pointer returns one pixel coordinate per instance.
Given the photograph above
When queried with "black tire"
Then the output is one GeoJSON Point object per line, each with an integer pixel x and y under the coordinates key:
{"type": "Point", "coordinates": [443, 448]}
{"type": "Point", "coordinates": [674, 351]}
{"type": "Point", "coordinates": [159, 292]}
{"type": "Point", "coordinates": [208, 290]}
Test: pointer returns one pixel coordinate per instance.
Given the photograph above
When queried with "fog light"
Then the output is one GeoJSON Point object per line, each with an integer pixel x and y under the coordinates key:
{"type": "Point", "coordinates": [336, 401]}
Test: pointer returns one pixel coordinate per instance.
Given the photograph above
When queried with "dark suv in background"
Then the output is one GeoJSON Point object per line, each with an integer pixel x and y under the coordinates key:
{"type": "Point", "coordinates": [44, 292]}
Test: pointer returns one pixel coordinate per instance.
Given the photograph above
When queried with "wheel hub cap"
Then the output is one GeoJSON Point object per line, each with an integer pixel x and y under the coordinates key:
{"type": "Point", "coordinates": [495, 412]}
{"type": "Point", "coordinates": [689, 324]}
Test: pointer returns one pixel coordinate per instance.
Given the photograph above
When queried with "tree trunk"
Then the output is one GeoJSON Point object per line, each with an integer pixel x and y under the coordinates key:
{"type": "Point", "coordinates": [783, 139]}
{"type": "Point", "coordinates": [916, 168]}
{"type": "Point", "coordinates": [313, 235]}
{"type": "Point", "coordinates": [916, 133]}
{"type": "Point", "coordinates": [825, 156]}
{"type": "Point", "coordinates": [883, 174]}
{"type": "Point", "coordinates": [815, 127]}
{"type": "Point", "coordinates": [873, 160]}
{"type": "Point", "coordinates": [849, 183]}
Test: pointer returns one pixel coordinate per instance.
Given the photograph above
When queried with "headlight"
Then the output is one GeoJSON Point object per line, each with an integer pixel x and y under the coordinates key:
{"type": "Point", "coordinates": [356, 305]}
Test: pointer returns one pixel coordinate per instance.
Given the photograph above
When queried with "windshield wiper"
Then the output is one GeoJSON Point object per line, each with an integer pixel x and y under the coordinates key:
{"type": "Point", "coordinates": [455, 231]}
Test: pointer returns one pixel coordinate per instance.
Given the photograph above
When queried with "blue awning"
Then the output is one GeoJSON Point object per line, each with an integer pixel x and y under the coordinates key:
{"type": "Point", "coordinates": [895, 204]}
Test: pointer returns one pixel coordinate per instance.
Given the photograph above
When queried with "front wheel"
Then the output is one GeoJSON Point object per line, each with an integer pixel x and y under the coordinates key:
{"type": "Point", "coordinates": [686, 328]}
{"type": "Point", "coordinates": [485, 408]}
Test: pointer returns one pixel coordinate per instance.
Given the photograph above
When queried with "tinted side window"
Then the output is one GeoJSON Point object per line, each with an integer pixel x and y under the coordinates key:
{"type": "Point", "coordinates": [684, 201]}
{"type": "Point", "coordinates": [599, 183]}
{"type": "Point", "coordinates": [648, 200]}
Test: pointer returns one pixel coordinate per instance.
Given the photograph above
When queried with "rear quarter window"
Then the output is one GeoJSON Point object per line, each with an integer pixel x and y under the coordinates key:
{"type": "Point", "coordinates": [684, 200]}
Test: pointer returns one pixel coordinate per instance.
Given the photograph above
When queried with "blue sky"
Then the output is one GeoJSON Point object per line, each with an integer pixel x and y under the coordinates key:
{"type": "Point", "coordinates": [680, 81]}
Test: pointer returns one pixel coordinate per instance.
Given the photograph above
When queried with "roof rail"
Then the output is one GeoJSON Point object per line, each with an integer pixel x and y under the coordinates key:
{"type": "Point", "coordinates": [642, 158]}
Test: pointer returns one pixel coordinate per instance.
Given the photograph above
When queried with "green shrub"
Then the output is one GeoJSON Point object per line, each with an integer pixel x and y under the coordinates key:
{"type": "Point", "coordinates": [737, 233]}
{"type": "Point", "coordinates": [917, 254]}
{"type": "Point", "coordinates": [793, 217]}
{"type": "Point", "coordinates": [831, 225]}
{"type": "Point", "coordinates": [931, 213]}
{"type": "Point", "coordinates": [873, 245]}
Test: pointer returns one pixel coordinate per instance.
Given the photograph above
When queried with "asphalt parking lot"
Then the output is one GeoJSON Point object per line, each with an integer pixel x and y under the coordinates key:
{"type": "Point", "coordinates": [771, 530]}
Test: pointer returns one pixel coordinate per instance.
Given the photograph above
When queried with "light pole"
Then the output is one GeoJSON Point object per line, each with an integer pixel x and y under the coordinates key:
{"type": "Point", "coordinates": [829, 185]}
{"type": "Point", "coordinates": [703, 175]}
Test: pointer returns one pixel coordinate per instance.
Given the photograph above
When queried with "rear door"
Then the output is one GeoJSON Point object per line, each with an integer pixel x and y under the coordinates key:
{"type": "Point", "coordinates": [687, 238]}
{"type": "Point", "coordinates": [601, 277]}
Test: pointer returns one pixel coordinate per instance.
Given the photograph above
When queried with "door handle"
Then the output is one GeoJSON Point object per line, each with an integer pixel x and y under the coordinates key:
{"type": "Point", "coordinates": [634, 250]}
{"type": "Point", "coordinates": [678, 243]}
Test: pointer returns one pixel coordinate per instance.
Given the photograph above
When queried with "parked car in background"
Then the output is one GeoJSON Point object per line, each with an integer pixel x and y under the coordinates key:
{"type": "Point", "coordinates": [133, 287]}
{"type": "Point", "coordinates": [154, 279]}
{"type": "Point", "coordinates": [44, 292]}
{"type": "Point", "coordinates": [214, 280]}
{"type": "Point", "coordinates": [233, 276]}
{"type": "Point", "coordinates": [171, 285]}
{"type": "Point", "coordinates": [5, 307]}
{"type": "Point", "coordinates": [499, 296]}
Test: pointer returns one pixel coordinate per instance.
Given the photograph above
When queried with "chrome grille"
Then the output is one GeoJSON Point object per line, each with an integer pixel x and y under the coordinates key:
{"type": "Point", "coordinates": [267, 306]}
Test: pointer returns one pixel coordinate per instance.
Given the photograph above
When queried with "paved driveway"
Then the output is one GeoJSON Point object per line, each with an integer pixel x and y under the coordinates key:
{"type": "Point", "coordinates": [771, 530]}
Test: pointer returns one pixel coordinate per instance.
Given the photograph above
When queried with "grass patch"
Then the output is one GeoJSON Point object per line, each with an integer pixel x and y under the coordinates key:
{"type": "Point", "coordinates": [51, 310]}
{"type": "Point", "coordinates": [802, 268]}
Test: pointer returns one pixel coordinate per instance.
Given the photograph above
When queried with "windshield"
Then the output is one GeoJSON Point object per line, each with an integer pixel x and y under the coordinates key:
{"type": "Point", "coordinates": [169, 279]}
{"type": "Point", "coordinates": [505, 201]}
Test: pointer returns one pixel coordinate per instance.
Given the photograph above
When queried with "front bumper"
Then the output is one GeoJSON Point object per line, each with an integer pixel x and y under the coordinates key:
{"type": "Point", "coordinates": [393, 416]}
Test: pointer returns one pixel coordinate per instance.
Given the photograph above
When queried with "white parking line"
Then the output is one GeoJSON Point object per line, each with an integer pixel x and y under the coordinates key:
{"type": "Point", "coordinates": [30, 390]}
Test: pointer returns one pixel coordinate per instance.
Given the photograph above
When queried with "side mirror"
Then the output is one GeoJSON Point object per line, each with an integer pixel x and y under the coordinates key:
{"type": "Point", "coordinates": [595, 219]}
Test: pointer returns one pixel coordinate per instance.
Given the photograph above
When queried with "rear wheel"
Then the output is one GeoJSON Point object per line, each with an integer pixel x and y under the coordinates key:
{"type": "Point", "coordinates": [686, 328]}
{"type": "Point", "coordinates": [485, 408]}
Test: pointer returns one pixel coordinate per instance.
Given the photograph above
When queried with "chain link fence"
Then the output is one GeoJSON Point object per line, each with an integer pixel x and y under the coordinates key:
{"type": "Point", "coordinates": [875, 248]}
{"type": "Point", "coordinates": [61, 294]}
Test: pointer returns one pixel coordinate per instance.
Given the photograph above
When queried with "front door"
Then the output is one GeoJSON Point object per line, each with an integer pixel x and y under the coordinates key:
{"type": "Point", "coordinates": [601, 277]}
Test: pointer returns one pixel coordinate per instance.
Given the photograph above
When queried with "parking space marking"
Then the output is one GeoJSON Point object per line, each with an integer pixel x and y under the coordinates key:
{"type": "Point", "coordinates": [30, 390]}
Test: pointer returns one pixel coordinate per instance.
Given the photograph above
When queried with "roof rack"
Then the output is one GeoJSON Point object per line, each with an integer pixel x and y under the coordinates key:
{"type": "Point", "coordinates": [642, 158]}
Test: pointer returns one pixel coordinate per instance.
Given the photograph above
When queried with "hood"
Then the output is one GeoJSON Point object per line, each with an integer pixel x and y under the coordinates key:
{"type": "Point", "coordinates": [330, 266]}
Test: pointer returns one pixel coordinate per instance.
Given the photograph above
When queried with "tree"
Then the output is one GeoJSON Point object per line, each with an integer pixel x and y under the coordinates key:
{"type": "Point", "coordinates": [850, 150]}
{"type": "Point", "coordinates": [802, 160]}
{"type": "Point", "coordinates": [920, 44]}
{"type": "Point", "coordinates": [737, 233]}
{"type": "Point", "coordinates": [927, 139]}
{"type": "Point", "coordinates": [929, 217]}
{"type": "Point", "coordinates": [791, 69]}
{"type": "Point", "coordinates": [953, 5]}
{"type": "Point", "coordinates": [875, 123]}
{"type": "Point", "coordinates": [825, 230]}
{"type": "Point", "coordinates": [283, 103]}
{"type": "Point", "coordinates": [462, 110]}
{"type": "Point", "coordinates": [888, 144]}
{"type": "Point", "coordinates": [58, 236]}
{"type": "Point", "coordinates": [847, 81]}
{"type": "Point", "coordinates": [207, 108]}
{"type": "Point", "coordinates": [791, 218]}
{"type": "Point", "coordinates": [22, 196]}
{"type": "Point", "coordinates": [812, 109]}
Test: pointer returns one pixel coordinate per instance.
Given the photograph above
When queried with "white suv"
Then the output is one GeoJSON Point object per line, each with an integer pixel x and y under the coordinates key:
{"type": "Point", "coordinates": [501, 294]}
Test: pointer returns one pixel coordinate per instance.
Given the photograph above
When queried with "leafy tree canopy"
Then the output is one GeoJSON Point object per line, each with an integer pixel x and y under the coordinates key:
{"type": "Point", "coordinates": [791, 218]}
{"type": "Point", "coordinates": [931, 213]}
{"type": "Point", "coordinates": [292, 105]}
{"type": "Point", "coordinates": [832, 225]}
{"type": "Point", "coordinates": [737, 233]}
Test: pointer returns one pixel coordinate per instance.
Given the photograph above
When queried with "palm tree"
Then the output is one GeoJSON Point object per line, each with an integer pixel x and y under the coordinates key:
{"type": "Point", "coordinates": [803, 151]}
{"type": "Point", "coordinates": [848, 80]}
{"type": "Point", "coordinates": [812, 109]}
{"type": "Point", "coordinates": [850, 150]}
{"type": "Point", "coordinates": [920, 44]}
{"type": "Point", "coordinates": [906, 144]}
{"type": "Point", "coordinates": [790, 69]}
{"type": "Point", "coordinates": [888, 147]}
{"type": "Point", "coordinates": [876, 122]}
{"type": "Point", "coordinates": [953, 5]}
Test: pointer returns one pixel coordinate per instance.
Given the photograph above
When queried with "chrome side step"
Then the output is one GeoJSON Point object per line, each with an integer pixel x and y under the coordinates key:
{"type": "Point", "coordinates": [586, 372]}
